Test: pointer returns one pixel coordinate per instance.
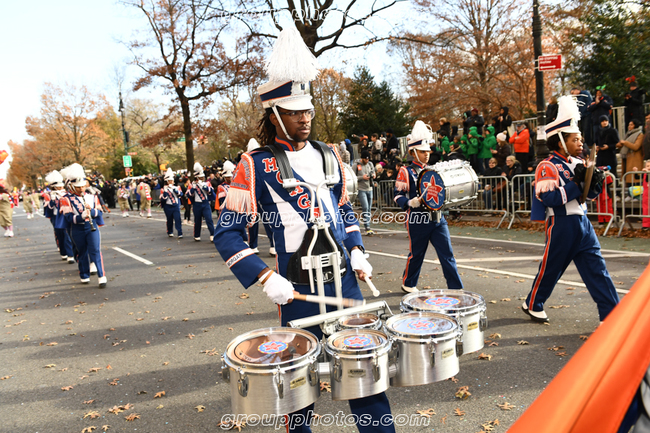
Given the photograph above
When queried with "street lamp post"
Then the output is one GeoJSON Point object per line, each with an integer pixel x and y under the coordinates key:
{"type": "Point", "coordinates": [542, 150]}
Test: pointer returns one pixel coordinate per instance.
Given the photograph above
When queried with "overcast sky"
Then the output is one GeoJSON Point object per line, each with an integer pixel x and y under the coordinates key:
{"type": "Point", "coordinates": [80, 42]}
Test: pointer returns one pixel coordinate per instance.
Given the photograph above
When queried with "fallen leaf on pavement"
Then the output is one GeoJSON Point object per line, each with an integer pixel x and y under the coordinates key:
{"type": "Point", "coordinates": [132, 417]}
{"type": "Point", "coordinates": [463, 393]}
{"type": "Point", "coordinates": [485, 356]}
{"type": "Point", "coordinates": [92, 414]}
{"type": "Point", "coordinates": [555, 307]}
{"type": "Point", "coordinates": [494, 343]}
{"type": "Point", "coordinates": [159, 394]}
{"type": "Point", "coordinates": [459, 412]}
{"type": "Point", "coordinates": [495, 336]}
{"type": "Point", "coordinates": [54, 343]}
{"type": "Point", "coordinates": [231, 425]}
{"type": "Point", "coordinates": [506, 406]}
{"type": "Point", "coordinates": [5, 377]}
{"type": "Point", "coordinates": [325, 386]}
{"type": "Point", "coordinates": [505, 300]}
{"type": "Point", "coordinates": [561, 354]}
{"type": "Point", "coordinates": [426, 413]}
{"type": "Point", "coordinates": [200, 408]}
{"type": "Point", "coordinates": [67, 388]}
{"type": "Point", "coordinates": [190, 336]}
{"type": "Point", "coordinates": [89, 429]}
{"type": "Point", "coordinates": [50, 366]}
{"type": "Point", "coordinates": [584, 337]}
{"type": "Point", "coordinates": [105, 427]}
{"type": "Point", "coordinates": [114, 382]}
{"type": "Point", "coordinates": [493, 302]}
{"type": "Point", "coordinates": [522, 342]}
{"type": "Point", "coordinates": [89, 401]}
{"type": "Point", "coordinates": [244, 296]}
{"type": "Point", "coordinates": [453, 379]}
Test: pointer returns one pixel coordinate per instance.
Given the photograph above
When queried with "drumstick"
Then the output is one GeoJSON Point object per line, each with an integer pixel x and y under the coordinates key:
{"type": "Point", "coordinates": [375, 292]}
{"type": "Point", "coordinates": [328, 300]}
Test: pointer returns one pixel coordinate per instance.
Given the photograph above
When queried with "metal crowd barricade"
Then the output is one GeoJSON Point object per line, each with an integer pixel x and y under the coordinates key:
{"type": "Point", "coordinates": [385, 193]}
{"type": "Point", "coordinates": [605, 205]}
{"type": "Point", "coordinates": [521, 194]}
{"type": "Point", "coordinates": [636, 191]}
{"type": "Point", "coordinates": [493, 197]}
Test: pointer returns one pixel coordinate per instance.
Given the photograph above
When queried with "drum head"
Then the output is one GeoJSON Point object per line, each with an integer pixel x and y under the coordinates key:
{"type": "Point", "coordinates": [272, 346]}
{"type": "Point", "coordinates": [419, 324]}
{"type": "Point", "coordinates": [442, 300]}
{"type": "Point", "coordinates": [356, 341]}
{"type": "Point", "coordinates": [362, 320]}
{"type": "Point", "coordinates": [432, 189]}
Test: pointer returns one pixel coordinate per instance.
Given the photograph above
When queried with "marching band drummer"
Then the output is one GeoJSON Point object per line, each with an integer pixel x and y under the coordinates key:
{"type": "Point", "coordinates": [286, 125]}
{"type": "Point", "coordinates": [170, 199]}
{"type": "Point", "coordinates": [423, 225]}
{"type": "Point", "coordinates": [83, 212]}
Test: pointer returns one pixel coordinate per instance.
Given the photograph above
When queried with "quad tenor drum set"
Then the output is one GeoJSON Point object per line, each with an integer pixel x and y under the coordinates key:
{"type": "Point", "coordinates": [364, 351]}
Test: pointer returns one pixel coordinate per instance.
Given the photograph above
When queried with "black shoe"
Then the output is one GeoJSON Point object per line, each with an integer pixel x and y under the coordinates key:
{"type": "Point", "coordinates": [541, 319]}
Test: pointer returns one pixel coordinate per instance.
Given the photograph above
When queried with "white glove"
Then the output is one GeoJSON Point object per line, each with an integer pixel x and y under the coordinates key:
{"type": "Point", "coordinates": [415, 202]}
{"type": "Point", "coordinates": [359, 262]}
{"type": "Point", "coordinates": [278, 289]}
{"type": "Point", "coordinates": [85, 214]}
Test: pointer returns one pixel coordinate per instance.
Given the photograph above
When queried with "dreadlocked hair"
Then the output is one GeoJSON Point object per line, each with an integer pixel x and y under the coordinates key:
{"type": "Point", "coordinates": [267, 131]}
{"type": "Point", "coordinates": [553, 142]}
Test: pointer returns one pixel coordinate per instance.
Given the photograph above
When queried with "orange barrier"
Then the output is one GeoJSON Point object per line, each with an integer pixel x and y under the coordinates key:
{"type": "Point", "coordinates": [593, 391]}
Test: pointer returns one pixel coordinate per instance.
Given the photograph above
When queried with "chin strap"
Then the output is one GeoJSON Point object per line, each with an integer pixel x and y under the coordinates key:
{"type": "Point", "coordinates": [277, 115]}
{"type": "Point", "coordinates": [563, 143]}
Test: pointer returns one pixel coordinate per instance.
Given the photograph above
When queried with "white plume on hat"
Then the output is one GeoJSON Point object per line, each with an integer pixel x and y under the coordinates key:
{"type": "Point", "coordinates": [228, 168]}
{"type": "Point", "coordinates": [568, 116]}
{"type": "Point", "coordinates": [420, 136]}
{"type": "Point", "coordinates": [252, 145]}
{"type": "Point", "coordinates": [169, 174]}
{"type": "Point", "coordinates": [198, 169]}
{"type": "Point", "coordinates": [75, 174]}
{"type": "Point", "coordinates": [54, 178]}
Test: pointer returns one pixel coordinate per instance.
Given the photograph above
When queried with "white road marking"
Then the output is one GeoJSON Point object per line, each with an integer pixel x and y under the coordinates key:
{"type": "Point", "coordinates": [133, 256]}
{"type": "Point", "coordinates": [520, 258]}
{"type": "Point", "coordinates": [494, 271]}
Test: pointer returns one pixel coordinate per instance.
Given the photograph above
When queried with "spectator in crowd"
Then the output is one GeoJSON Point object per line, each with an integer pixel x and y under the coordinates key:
{"type": "Point", "coordinates": [475, 119]}
{"type": "Point", "coordinates": [435, 156]}
{"type": "Point", "coordinates": [365, 172]}
{"type": "Point", "coordinates": [503, 121]}
{"type": "Point", "coordinates": [599, 107]}
{"type": "Point", "coordinates": [645, 183]}
{"type": "Point", "coordinates": [445, 128]}
{"type": "Point", "coordinates": [487, 146]}
{"type": "Point", "coordinates": [631, 148]}
{"type": "Point", "coordinates": [513, 167]}
{"type": "Point", "coordinates": [502, 151]}
{"type": "Point", "coordinates": [377, 147]}
{"type": "Point", "coordinates": [473, 148]}
{"type": "Point", "coordinates": [348, 146]}
{"type": "Point", "coordinates": [583, 101]}
{"type": "Point", "coordinates": [392, 140]}
{"type": "Point", "coordinates": [455, 150]}
{"type": "Point", "coordinates": [393, 157]}
{"type": "Point", "coordinates": [493, 185]}
{"type": "Point", "coordinates": [343, 151]}
{"type": "Point", "coordinates": [607, 140]}
{"type": "Point", "coordinates": [521, 144]}
{"type": "Point", "coordinates": [634, 101]}
{"type": "Point", "coordinates": [551, 109]}
{"type": "Point", "coordinates": [445, 146]}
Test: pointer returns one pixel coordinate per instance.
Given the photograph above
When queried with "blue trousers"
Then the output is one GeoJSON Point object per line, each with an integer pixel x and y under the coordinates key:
{"type": "Point", "coordinates": [253, 234]}
{"type": "Point", "coordinates": [269, 233]}
{"type": "Point", "coordinates": [173, 214]}
{"type": "Point", "coordinates": [420, 234]}
{"type": "Point", "coordinates": [374, 408]}
{"type": "Point", "coordinates": [572, 238]}
{"type": "Point", "coordinates": [202, 211]}
{"type": "Point", "coordinates": [365, 198]}
{"type": "Point", "coordinates": [88, 245]}
{"type": "Point", "coordinates": [64, 242]}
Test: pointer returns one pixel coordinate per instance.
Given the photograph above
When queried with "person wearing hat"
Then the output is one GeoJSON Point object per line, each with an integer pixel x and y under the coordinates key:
{"type": "Point", "coordinates": [144, 189]}
{"type": "Point", "coordinates": [634, 100]}
{"type": "Point", "coordinates": [28, 205]}
{"type": "Point", "coordinates": [51, 210]}
{"type": "Point", "coordinates": [365, 172]}
{"type": "Point", "coordinates": [570, 236]}
{"type": "Point", "coordinates": [123, 195]}
{"type": "Point", "coordinates": [423, 225]}
{"type": "Point", "coordinates": [83, 213]}
{"type": "Point", "coordinates": [201, 193]}
{"type": "Point", "coordinates": [258, 179]}
{"type": "Point", "coordinates": [606, 144]}
{"type": "Point", "coordinates": [170, 200]}
{"type": "Point", "coordinates": [222, 190]}
{"type": "Point", "coordinates": [6, 213]}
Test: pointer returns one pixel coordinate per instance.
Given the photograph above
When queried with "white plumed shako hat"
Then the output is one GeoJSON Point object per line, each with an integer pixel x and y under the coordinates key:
{"type": "Point", "coordinates": [228, 168]}
{"type": "Point", "coordinates": [198, 170]}
{"type": "Point", "coordinates": [290, 68]}
{"type": "Point", "coordinates": [54, 179]}
{"type": "Point", "coordinates": [169, 174]}
{"type": "Point", "coordinates": [252, 145]}
{"type": "Point", "coordinates": [75, 175]}
{"type": "Point", "coordinates": [421, 137]}
{"type": "Point", "coordinates": [567, 118]}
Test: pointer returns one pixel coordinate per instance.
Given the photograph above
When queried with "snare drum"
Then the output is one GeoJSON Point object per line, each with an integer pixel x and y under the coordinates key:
{"type": "Point", "coordinates": [272, 371]}
{"type": "Point", "coordinates": [448, 184]}
{"type": "Point", "coordinates": [359, 321]}
{"type": "Point", "coordinates": [466, 307]}
{"type": "Point", "coordinates": [358, 363]}
{"type": "Point", "coordinates": [427, 345]}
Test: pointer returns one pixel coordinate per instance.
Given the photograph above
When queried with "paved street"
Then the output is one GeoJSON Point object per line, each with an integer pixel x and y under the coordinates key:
{"type": "Point", "coordinates": [151, 341]}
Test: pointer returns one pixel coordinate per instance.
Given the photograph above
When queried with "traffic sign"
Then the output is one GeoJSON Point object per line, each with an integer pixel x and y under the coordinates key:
{"type": "Point", "coordinates": [550, 62]}
{"type": "Point", "coordinates": [132, 153]}
{"type": "Point", "coordinates": [126, 159]}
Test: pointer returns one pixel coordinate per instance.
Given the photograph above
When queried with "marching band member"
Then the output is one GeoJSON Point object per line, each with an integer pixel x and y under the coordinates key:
{"type": "Point", "coordinates": [123, 199]}
{"type": "Point", "coordinates": [286, 126]}
{"type": "Point", "coordinates": [52, 208]}
{"type": "Point", "coordinates": [423, 225]}
{"type": "Point", "coordinates": [201, 193]}
{"type": "Point", "coordinates": [570, 235]}
{"type": "Point", "coordinates": [144, 189]}
{"type": "Point", "coordinates": [170, 199]}
{"type": "Point", "coordinates": [6, 205]}
{"type": "Point", "coordinates": [83, 212]}
{"type": "Point", "coordinates": [28, 205]}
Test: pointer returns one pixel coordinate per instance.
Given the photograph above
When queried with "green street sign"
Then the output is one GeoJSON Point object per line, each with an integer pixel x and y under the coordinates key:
{"type": "Point", "coordinates": [127, 161]}
{"type": "Point", "coordinates": [181, 140]}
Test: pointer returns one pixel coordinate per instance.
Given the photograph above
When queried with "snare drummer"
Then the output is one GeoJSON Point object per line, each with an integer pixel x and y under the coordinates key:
{"type": "Point", "coordinates": [423, 225]}
{"type": "Point", "coordinates": [286, 125]}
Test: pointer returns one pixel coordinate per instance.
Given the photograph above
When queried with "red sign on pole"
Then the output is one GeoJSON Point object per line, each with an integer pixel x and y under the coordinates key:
{"type": "Point", "coordinates": [550, 63]}
{"type": "Point", "coordinates": [133, 153]}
